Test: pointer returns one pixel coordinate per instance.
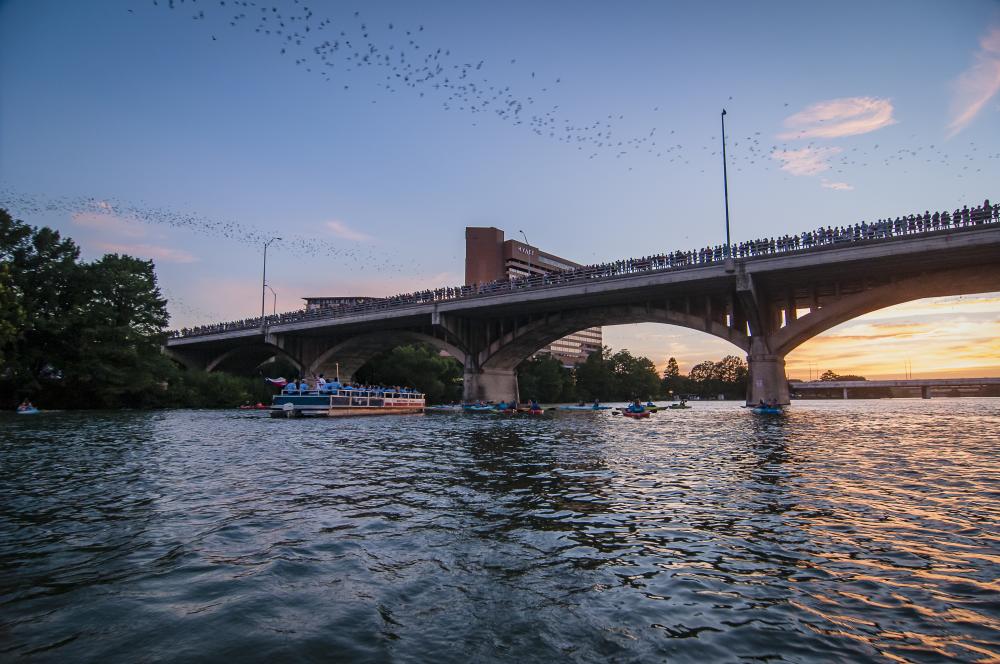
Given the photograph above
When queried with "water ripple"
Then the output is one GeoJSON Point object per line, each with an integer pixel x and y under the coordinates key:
{"type": "Point", "coordinates": [845, 531]}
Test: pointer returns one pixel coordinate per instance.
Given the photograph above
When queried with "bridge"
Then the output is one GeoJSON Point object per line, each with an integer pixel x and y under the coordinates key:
{"type": "Point", "coordinates": [925, 384]}
{"type": "Point", "coordinates": [766, 300]}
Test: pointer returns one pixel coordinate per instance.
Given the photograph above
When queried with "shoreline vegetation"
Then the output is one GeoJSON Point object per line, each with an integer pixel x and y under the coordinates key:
{"type": "Point", "coordinates": [89, 335]}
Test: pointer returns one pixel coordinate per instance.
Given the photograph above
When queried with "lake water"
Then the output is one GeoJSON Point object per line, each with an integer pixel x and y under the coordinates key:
{"type": "Point", "coordinates": [844, 531]}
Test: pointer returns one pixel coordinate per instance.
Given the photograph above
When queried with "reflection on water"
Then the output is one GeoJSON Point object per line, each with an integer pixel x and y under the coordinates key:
{"type": "Point", "coordinates": [844, 531]}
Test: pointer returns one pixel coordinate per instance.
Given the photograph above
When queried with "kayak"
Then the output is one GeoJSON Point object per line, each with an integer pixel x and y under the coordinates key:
{"type": "Point", "coordinates": [584, 408]}
{"type": "Point", "coordinates": [767, 410]}
{"type": "Point", "coordinates": [480, 409]}
{"type": "Point", "coordinates": [677, 407]}
{"type": "Point", "coordinates": [637, 416]}
{"type": "Point", "coordinates": [442, 409]}
{"type": "Point", "coordinates": [28, 411]}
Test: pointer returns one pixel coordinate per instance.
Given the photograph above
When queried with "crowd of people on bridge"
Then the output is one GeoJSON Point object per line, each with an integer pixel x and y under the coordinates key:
{"type": "Point", "coordinates": [864, 231]}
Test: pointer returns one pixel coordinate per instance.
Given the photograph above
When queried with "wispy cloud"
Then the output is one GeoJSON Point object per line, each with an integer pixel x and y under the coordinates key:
{"type": "Point", "coordinates": [835, 118]}
{"type": "Point", "coordinates": [342, 230]}
{"type": "Point", "coordinates": [839, 186]}
{"type": "Point", "coordinates": [108, 223]}
{"type": "Point", "coordinates": [977, 84]}
{"type": "Point", "coordinates": [165, 254]}
{"type": "Point", "coordinates": [805, 161]}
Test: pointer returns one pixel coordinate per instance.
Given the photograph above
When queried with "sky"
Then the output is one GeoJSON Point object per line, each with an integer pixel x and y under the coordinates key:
{"type": "Point", "coordinates": [189, 132]}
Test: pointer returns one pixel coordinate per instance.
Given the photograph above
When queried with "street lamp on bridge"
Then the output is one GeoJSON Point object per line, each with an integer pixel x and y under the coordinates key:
{"type": "Point", "coordinates": [725, 183]}
{"type": "Point", "coordinates": [263, 281]}
{"type": "Point", "coordinates": [529, 251]}
{"type": "Point", "coordinates": [274, 307]}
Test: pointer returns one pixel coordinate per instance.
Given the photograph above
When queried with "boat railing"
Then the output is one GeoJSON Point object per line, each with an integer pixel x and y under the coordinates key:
{"type": "Point", "coordinates": [352, 397]}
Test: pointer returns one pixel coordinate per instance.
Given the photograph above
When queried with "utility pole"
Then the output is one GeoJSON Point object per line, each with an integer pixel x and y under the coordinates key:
{"type": "Point", "coordinates": [725, 182]}
{"type": "Point", "coordinates": [263, 281]}
{"type": "Point", "coordinates": [529, 251]}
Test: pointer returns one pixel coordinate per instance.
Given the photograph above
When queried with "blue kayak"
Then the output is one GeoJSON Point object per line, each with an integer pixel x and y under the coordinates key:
{"type": "Point", "coordinates": [479, 409]}
{"type": "Point", "coordinates": [767, 410]}
{"type": "Point", "coordinates": [28, 411]}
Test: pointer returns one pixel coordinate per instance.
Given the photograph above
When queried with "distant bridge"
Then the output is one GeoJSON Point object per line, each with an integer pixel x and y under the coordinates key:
{"type": "Point", "coordinates": [925, 384]}
{"type": "Point", "coordinates": [764, 305]}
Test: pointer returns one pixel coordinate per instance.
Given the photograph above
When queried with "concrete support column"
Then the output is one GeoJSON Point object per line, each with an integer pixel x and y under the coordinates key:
{"type": "Point", "coordinates": [489, 384]}
{"type": "Point", "coordinates": [925, 392]}
{"type": "Point", "coordinates": [767, 379]}
{"type": "Point", "coordinates": [845, 392]}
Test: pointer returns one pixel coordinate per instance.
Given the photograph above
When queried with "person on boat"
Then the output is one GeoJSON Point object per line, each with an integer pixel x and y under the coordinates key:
{"type": "Point", "coordinates": [25, 405]}
{"type": "Point", "coordinates": [534, 405]}
{"type": "Point", "coordinates": [320, 382]}
{"type": "Point", "coordinates": [650, 404]}
{"type": "Point", "coordinates": [597, 404]}
{"type": "Point", "coordinates": [636, 407]}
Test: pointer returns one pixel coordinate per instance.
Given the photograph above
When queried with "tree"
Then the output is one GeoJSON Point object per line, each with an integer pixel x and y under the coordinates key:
{"type": "Point", "coordinates": [829, 375]}
{"type": "Point", "coordinates": [11, 313]}
{"type": "Point", "coordinates": [120, 334]}
{"type": "Point", "coordinates": [594, 379]}
{"type": "Point", "coordinates": [545, 378]}
{"type": "Point", "coordinates": [418, 365]}
{"type": "Point", "coordinates": [635, 377]}
{"type": "Point", "coordinates": [45, 279]}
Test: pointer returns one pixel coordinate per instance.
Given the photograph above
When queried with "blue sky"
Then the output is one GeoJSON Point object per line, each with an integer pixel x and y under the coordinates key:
{"type": "Point", "coordinates": [837, 112]}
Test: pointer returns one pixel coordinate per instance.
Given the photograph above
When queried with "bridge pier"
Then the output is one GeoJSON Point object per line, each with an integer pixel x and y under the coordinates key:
{"type": "Point", "coordinates": [845, 392]}
{"type": "Point", "coordinates": [766, 381]}
{"type": "Point", "coordinates": [489, 384]}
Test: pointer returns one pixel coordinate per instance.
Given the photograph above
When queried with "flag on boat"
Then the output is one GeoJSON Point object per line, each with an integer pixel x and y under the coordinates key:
{"type": "Point", "coordinates": [278, 382]}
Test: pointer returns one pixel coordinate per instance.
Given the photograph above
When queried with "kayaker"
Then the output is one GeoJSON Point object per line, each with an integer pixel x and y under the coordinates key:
{"type": "Point", "coordinates": [502, 405]}
{"type": "Point", "coordinates": [25, 405]}
{"type": "Point", "coordinates": [534, 405]}
{"type": "Point", "coordinates": [597, 404]}
{"type": "Point", "coordinates": [636, 407]}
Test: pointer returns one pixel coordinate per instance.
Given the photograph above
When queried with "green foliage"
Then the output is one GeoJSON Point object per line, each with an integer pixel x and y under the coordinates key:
{"type": "Point", "coordinates": [11, 312]}
{"type": "Point", "coordinates": [829, 375]}
{"type": "Point", "coordinates": [545, 379]}
{"type": "Point", "coordinates": [420, 366]}
{"type": "Point", "coordinates": [728, 376]}
{"type": "Point", "coordinates": [617, 377]}
{"type": "Point", "coordinates": [89, 335]}
{"type": "Point", "coordinates": [673, 382]}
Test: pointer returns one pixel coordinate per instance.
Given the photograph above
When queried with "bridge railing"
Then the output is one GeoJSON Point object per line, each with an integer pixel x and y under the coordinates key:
{"type": "Point", "coordinates": [820, 239]}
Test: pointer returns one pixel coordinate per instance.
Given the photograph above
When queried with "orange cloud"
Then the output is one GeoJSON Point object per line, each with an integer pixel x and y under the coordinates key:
{"type": "Point", "coordinates": [978, 84]}
{"type": "Point", "coordinates": [836, 118]}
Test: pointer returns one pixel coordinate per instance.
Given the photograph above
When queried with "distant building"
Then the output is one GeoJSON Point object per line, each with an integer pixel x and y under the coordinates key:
{"type": "Point", "coordinates": [489, 257]}
{"type": "Point", "coordinates": [313, 303]}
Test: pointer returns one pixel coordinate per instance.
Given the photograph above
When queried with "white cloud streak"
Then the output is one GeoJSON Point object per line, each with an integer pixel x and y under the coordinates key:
{"type": "Point", "coordinates": [835, 118]}
{"type": "Point", "coordinates": [342, 230]}
{"type": "Point", "coordinates": [805, 161]}
{"type": "Point", "coordinates": [838, 186]}
{"type": "Point", "coordinates": [976, 85]}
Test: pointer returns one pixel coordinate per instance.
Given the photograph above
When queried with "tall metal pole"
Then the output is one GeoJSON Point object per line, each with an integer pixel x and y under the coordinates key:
{"type": "Point", "coordinates": [263, 278]}
{"type": "Point", "coordinates": [274, 306]}
{"type": "Point", "coordinates": [529, 251]}
{"type": "Point", "coordinates": [725, 181]}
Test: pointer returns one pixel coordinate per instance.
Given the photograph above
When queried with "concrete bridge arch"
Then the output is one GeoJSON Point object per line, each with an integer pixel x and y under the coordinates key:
{"type": "Point", "coordinates": [962, 281]}
{"type": "Point", "coordinates": [353, 352]}
{"type": "Point", "coordinates": [249, 357]}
